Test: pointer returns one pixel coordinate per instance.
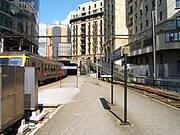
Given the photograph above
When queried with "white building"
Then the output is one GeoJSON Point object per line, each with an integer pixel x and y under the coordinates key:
{"type": "Point", "coordinates": [87, 30]}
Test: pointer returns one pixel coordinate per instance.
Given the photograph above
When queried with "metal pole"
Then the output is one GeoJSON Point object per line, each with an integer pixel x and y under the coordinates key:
{"type": "Point", "coordinates": [61, 77]}
{"type": "Point", "coordinates": [2, 44]}
{"type": "Point", "coordinates": [154, 49]}
{"type": "Point", "coordinates": [112, 63]}
{"type": "Point", "coordinates": [96, 70]}
{"type": "Point", "coordinates": [125, 88]}
{"type": "Point", "coordinates": [77, 78]}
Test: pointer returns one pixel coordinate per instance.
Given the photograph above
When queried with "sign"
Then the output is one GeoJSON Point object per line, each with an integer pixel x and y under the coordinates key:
{"type": "Point", "coordinates": [69, 67]}
{"type": "Point", "coordinates": [117, 54]}
{"type": "Point", "coordinates": [125, 50]}
{"type": "Point", "coordinates": [106, 76]}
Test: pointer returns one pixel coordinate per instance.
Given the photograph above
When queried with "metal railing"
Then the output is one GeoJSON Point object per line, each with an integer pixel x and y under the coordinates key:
{"type": "Point", "coordinates": [104, 68]}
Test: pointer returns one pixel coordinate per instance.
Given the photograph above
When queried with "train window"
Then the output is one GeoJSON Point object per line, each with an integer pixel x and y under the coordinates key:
{"type": "Point", "coordinates": [49, 68]}
{"type": "Point", "coordinates": [27, 62]}
{"type": "Point", "coordinates": [33, 64]}
{"type": "Point", "coordinates": [4, 61]}
{"type": "Point", "coordinates": [52, 69]}
{"type": "Point", "coordinates": [42, 66]}
{"type": "Point", "coordinates": [15, 61]}
{"type": "Point", "coordinates": [45, 67]}
{"type": "Point", "coordinates": [39, 67]}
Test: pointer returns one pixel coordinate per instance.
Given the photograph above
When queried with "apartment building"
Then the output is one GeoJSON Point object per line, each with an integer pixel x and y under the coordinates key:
{"type": "Point", "coordinates": [87, 31]}
{"type": "Point", "coordinates": [155, 56]}
{"type": "Point", "coordinates": [58, 44]}
{"type": "Point", "coordinates": [115, 30]}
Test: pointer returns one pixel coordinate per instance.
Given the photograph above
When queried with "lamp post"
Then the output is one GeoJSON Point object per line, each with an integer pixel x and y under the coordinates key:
{"type": "Point", "coordinates": [154, 49]}
{"type": "Point", "coordinates": [125, 52]}
{"type": "Point", "coordinates": [1, 44]}
{"type": "Point", "coordinates": [96, 67]}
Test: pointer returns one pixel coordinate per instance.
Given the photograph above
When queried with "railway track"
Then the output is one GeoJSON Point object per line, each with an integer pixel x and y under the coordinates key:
{"type": "Point", "coordinates": [168, 97]}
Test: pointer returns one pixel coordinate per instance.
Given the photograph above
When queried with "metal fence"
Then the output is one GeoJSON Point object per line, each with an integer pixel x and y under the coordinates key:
{"type": "Point", "coordinates": [168, 84]}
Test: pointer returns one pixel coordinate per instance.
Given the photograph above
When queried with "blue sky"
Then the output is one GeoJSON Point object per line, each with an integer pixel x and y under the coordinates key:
{"type": "Point", "coordinates": [52, 10]}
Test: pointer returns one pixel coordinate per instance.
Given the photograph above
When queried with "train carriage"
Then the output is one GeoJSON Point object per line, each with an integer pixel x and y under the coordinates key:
{"type": "Point", "coordinates": [47, 68]}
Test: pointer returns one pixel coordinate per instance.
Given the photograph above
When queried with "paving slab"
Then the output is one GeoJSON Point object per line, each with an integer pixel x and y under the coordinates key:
{"type": "Point", "coordinates": [86, 111]}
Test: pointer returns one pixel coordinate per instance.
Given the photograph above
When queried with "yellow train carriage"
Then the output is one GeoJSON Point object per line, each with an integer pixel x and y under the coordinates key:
{"type": "Point", "coordinates": [47, 68]}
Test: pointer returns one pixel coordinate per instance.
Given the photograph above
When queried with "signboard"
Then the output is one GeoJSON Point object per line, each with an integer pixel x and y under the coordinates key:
{"type": "Point", "coordinates": [69, 67]}
{"type": "Point", "coordinates": [117, 54]}
{"type": "Point", "coordinates": [106, 76]}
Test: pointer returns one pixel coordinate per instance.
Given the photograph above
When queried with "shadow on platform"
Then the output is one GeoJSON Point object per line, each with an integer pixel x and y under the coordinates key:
{"type": "Point", "coordinates": [106, 106]}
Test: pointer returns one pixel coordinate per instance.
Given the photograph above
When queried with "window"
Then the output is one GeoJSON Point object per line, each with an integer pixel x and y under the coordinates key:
{"type": "Point", "coordinates": [173, 37]}
{"type": "Point", "coordinates": [167, 37]}
{"type": "Point", "coordinates": [141, 13]}
{"type": "Point", "coordinates": [160, 2]}
{"type": "Point", "coordinates": [146, 9]}
{"type": "Point", "coordinates": [177, 3]}
{"type": "Point", "coordinates": [4, 61]}
{"type": "Point", "coordinates": [15, 61]}
{"type": "Point", "coordinates": [136, 16]}
{"type": "Point", "coordinates": [130, 10]}
{"type": "Point", "coordinates": [160, 16]}
{"type": "Point", "coordinates": [178, 22]}
{"type": "Point", "coordinates": [153, 4]}
{"type": "Point", "coordinates": [95, 5]}
{"type": "Point", "coordinates": [147, 23]}
{"type": "Point", "coordinates": [136, 29]}
{"type": "Point", "coordinates": [141, 26]}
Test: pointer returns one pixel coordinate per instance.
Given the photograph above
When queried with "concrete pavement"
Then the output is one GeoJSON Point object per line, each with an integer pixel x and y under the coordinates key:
{"type": "Point", "coordinates": [86, 111]}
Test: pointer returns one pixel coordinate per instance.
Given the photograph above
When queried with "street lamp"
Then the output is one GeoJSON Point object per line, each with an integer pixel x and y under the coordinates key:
{"type": "Point", "coordinates": [154, 49]}
{"type": "Point", "coordinates": [1, 43]}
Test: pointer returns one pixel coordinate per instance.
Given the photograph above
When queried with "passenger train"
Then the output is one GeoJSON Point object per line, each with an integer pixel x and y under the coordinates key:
{"type": "Point", "coordinates": [47, 68]}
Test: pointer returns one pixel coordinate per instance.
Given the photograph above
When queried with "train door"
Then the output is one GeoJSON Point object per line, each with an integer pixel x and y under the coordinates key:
{"type": "Point", "coordinates": [27, 63]}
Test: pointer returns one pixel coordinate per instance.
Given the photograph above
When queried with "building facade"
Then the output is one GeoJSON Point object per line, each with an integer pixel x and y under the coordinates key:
{"type": "Point", "coordinates": [155, 41]}
{"type": "Point", "coordinates": [87, 31]}
{"type": "Point", "coordinates": [19, 25]}
{"type": "Point", "coordinates": [59, 43]}
{"type": "Point", "coordinates": [115, 30]}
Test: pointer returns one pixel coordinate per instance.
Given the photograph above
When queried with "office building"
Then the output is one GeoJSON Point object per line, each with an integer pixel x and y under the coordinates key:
{"type": "Point", "coordinates": [58, 44]}
{"type": "Point", "coordinates": [19, 25]}
{"type": "Point", "coordinates": [155, 41]}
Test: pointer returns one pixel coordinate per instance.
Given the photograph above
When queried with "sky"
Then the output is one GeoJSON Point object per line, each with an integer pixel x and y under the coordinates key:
{"type": "Point", "coordinates": [55, 11]}
{"type": "Point", "coordinates": [52, 11]}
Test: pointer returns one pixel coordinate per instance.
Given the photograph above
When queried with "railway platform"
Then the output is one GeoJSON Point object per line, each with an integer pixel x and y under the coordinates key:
{"type": "Point", "coordinates": [86, 110]}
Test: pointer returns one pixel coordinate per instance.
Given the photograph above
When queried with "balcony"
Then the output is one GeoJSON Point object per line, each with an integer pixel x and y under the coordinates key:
{"type": "Point", "coordinates": [130, 24]}
{"type": "Point", "coordinates": [83, 44]}
{"type": "Point", "coordinates": [130, 1]}
{"type": "Point", "coordinates": [83, 49]}
{"type": "Point", "coordinates": [130, 13]}
{"type": "Point", "coordinates": [83, 33]}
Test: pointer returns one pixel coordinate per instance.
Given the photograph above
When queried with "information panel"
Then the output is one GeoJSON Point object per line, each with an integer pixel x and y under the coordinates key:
{"type": "Point", "coordinates": [69, 67]}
